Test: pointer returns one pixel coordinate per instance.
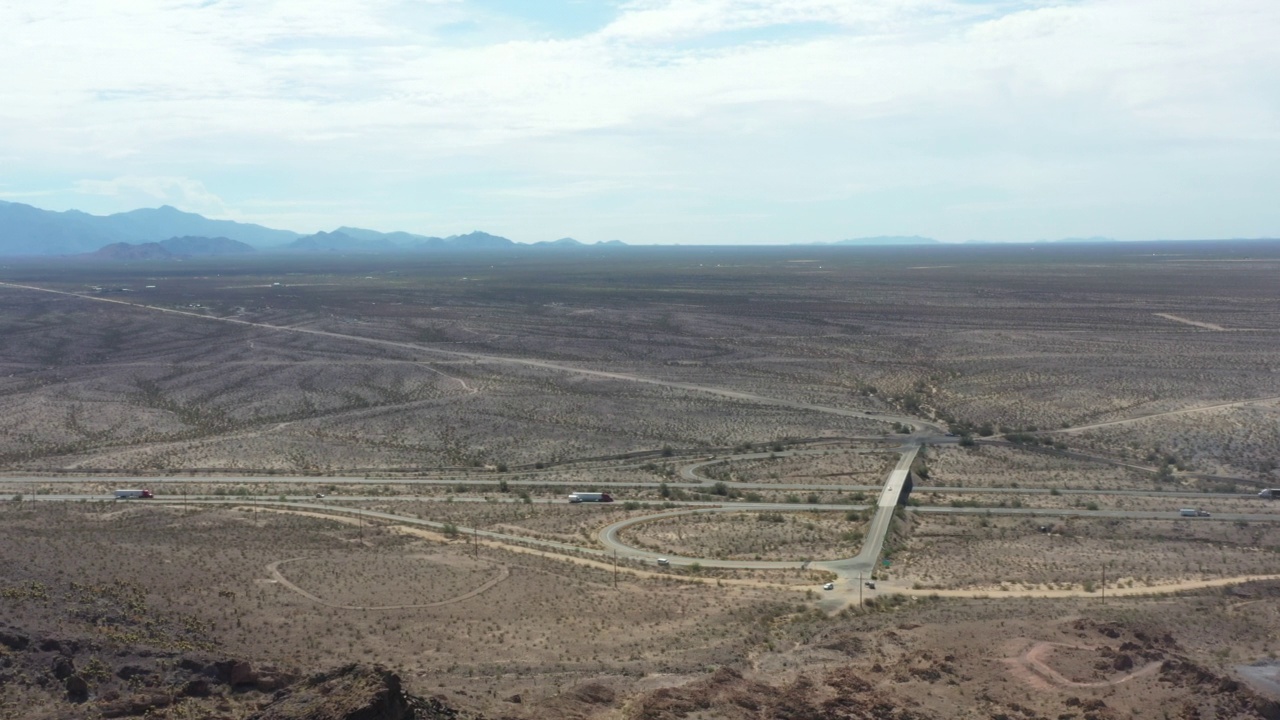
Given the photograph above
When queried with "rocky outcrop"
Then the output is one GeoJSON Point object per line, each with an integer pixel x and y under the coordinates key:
{"type": "Point", "coordinates": [84, 678]}
{"type": "Point", "coordinates": [351, 692]}
{"type": "Point", "coordinates": [727, 694]}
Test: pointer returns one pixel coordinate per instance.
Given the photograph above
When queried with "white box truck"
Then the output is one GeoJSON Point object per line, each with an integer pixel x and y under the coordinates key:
{"type": "Point", "coordinates": [1192, 512]}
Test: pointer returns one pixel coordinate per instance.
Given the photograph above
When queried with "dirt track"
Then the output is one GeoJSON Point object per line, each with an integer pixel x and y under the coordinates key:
{"type": "Point", "coordinates": [1159, 589]}
{"type": "Point", "coordinates": [1184, 411]}
{"type": "Point", "coordinates": [886, 588]}
{"type": "Point", "coordinates": [280, 579]}
{"type": "Point", "coordinates": [598, 564]}
{"type": "Point", "coordinates": [1032, 666]}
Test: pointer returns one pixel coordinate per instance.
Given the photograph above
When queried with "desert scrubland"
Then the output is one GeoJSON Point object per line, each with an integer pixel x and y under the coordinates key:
{"type": "Point", "coordinates": [986, 552]}
{"type": "Point", "coordinates": [1017, 341]}
{"type": "Point", "coordinates": [506, 381]}
{"type": "Point", "coordinates": [754, 535]}
{"type": "Point", "coordinates": [156, 590]}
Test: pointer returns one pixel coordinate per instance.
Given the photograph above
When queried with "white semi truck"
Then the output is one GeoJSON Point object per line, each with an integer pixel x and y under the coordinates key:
{"type": "Point", "coordinates": [133, 494]}
{"type": "Point", "coordinates": [1193, 512]}
{"type": "Point", "coordinates": [580, 497]}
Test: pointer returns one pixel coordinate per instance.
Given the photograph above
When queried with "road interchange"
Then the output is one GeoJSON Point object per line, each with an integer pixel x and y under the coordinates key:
{"type": "Point", "coordinates": [919, 432]}
{"type": "Point", "coordinates": [846, 570]}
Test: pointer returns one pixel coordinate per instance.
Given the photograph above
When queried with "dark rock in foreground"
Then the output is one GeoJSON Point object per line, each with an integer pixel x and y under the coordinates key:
{"type": "Point", "coordinates": [354, 692]}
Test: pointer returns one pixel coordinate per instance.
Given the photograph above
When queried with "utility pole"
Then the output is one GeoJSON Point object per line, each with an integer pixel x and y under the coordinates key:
{"type": "Point", "coordinates": [615, 568]}
{"type": "Point", "coordinates": [859, 588]}
{"type": "Point", "coordinates": [475, 542]}
{"type": "Point", "coordinates": [1104, 582]}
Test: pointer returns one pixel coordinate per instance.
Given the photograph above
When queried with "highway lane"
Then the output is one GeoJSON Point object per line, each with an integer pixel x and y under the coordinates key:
{"type": "Point", "coordinates": [580, 484]}
{"type": "Point", "coordinates": [469, 482]}
{"type": "Point", "coordinates": [689, 471]}
{"type": "Point", "coordinates": [845, 569]}
{"type": "Point", "coordinates": [336, 502]}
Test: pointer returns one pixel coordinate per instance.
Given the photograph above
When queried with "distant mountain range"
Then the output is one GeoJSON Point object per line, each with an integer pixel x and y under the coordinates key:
{"type": "Point", "coordinates": [889, 240]}
{"type": "Point", "coordinates": [166, 232]}
{"type": "Point", "coordinates": [171, 249]}
{"type": "Point", "coordinates": [1094, 239]}
{"type": "Point", "coordinates": [26, 230]}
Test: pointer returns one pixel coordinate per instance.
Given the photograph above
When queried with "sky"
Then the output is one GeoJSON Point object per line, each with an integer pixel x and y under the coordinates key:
{"type": "Point", "coordinates": [654, 121]}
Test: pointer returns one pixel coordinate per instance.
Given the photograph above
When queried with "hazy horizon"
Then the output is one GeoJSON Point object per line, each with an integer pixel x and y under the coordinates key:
{"type": "Point", "coordinates": [655, 121]}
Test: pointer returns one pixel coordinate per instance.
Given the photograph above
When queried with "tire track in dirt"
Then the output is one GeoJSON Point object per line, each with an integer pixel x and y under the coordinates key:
{"type": "Point", "coordinates": [1183, 411]}
{"type": "Point", "coordinates": [1033, 667]}
{"type": "Point", "coordinates": [252, 433]}
{"type": "Point", "coordinates": [498, 544]}
{"type": "Point", "coordinates": [1188, 321]}
{"type": "Point", "coordinates": [274, 568]}
{"type": "Point", "coordinates": [1110, 592]}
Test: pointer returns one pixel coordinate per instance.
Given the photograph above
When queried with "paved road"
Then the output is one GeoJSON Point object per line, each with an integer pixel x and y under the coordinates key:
{"type": "Point", "coordinates": [609, 538]}
{"type": "Point", "coordinates": [472, 483]}
{"type": "Point", "coordinates": [862, 563]}
{"type": "Point", "coordinates": [846, 569]}
{"type": "Point", "coordinates": [689, 471]}
{"type": "Point", "coordinates": [336, 502]}
{"type": "Point", "coordinates": [889, 499]}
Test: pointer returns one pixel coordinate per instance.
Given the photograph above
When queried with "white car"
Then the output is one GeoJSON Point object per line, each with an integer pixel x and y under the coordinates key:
{"type": "Point", "coordinates": [829, 586]}
{"type": "Point", "coordinates": [664, 561]}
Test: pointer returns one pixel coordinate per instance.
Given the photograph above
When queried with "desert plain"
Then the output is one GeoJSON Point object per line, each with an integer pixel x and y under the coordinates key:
{"type": "Point", "coordinates": [363, 461]}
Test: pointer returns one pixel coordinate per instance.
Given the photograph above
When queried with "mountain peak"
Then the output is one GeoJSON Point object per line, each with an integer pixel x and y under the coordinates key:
{"type": "Point", "coordinates": [888, 240]}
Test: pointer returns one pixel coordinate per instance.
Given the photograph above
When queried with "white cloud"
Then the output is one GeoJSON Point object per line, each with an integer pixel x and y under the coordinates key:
{"type": "Point", "coordinates": [185, 193]}
{"type": "Point", "coordinates": [667, 20]}
{"type": "Point", "coordinates": [991, 99]}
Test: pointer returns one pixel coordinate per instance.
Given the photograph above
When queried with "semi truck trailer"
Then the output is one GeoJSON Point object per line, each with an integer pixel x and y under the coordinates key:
{"type": "Point", "coordinates": [579, 497]}
{"type": "Point", "coordinates": [133, 494]}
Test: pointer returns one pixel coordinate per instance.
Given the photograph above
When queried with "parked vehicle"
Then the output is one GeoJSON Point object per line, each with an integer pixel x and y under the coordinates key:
{"type": "Point", "coordinates": [580, 497]}
{"type": "Point", "coordinates": [133, 494]}
{"type": "Point", "coordinates": [664, 562]}
{"type": "Point", "coordinates": [829, 586]}
{"type": "Point", "coordinates": [1192, 512]}
{"type": "Point", "coordinates": [871, 584]}
{"type": "Point", "coordinates": [1270, 494]}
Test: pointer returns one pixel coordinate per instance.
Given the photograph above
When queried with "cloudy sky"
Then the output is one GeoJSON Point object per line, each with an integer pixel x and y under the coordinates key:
{"type": "Point", "coordinates": [654, 121]}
